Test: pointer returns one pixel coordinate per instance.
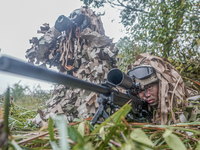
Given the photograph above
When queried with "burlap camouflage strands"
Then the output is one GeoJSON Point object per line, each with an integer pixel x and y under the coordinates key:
{"type": "Point", "coordinates": [172, 90]}
{"type": "Point", "coordinates": [88, 56]}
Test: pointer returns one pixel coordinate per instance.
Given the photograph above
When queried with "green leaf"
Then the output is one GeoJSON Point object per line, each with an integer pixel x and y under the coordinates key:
{"type": "Point", "coordinates": [54, 145]}
{"type": "Point", "coordinates": [88, 146]}
{"type": "Point", "coordinates": [75, 135]}
{"type": "Point", "coordinates": [81, 128]}
{"type": "Point", "coordinates": [167, 133]}
{"type": "Point", "coordinates": [16, 146]}
{"type": "Point", "coordinates": [173, 141]}
{"type": "Point", "coordinates": [157, 141]}
{"type": "Point", "coordinates": [50, 127]}
{"type": "Point", "coordinates": [198, 146]}
{"type": "Point", "coordinates": [127, 147]}
{"type": "Point", "coordinates": [102, 133]}
{"type": "Point", "coordinates": [62, 130]}
{"type": "Point", "coordinates": [189, 68]}
{"type": "Point", "coordinates": [139, 136]}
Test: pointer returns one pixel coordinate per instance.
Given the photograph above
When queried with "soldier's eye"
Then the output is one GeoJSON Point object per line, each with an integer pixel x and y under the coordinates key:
{"type": "Point", "coordinates": [150, 87]}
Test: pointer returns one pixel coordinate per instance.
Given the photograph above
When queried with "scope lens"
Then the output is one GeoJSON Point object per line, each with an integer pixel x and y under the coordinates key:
{"type": "Point", "coordinates": [115, 76]}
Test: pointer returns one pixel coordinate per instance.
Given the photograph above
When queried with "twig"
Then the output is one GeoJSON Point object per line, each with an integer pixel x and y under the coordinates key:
{"type": "Point", "coordinates": [126, 123]}
{"type": "Point", "coordinates": [136, 123]}
{"type": "Point", "coordinates": [34, 137]}
{"type": "Point", "coordinates": [115, 143]}
{"type": "Point", "coordinates": [153, 128]}
{"type": "Point", "coordinates": [189, 137]}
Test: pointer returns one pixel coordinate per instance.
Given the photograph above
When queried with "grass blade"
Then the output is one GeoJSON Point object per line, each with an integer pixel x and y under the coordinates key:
{"type": "Point", "coordinates": [62, 130]}
{"type": "Point", "coordinates": [6, 111]}
{"type": "Point", "coordinates": [54, 145]}
{"type": "Point", "coordinates": [16, 146]}
{"type": "Point", "coordinates": [51, 127]}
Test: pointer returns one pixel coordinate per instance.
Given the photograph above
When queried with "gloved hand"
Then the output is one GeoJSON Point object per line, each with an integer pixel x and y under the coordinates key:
{"type": "Point", "coordinates": [63, 22]}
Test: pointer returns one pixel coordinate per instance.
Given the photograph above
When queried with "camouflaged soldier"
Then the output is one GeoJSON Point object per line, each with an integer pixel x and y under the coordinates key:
{"type": "Point", "coordinates": [76, 45]}
{"type": "Point", "coordinates": [162, 87]}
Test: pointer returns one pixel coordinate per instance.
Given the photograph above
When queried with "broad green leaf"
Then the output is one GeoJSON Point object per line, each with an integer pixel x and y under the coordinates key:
{"type": "Point", "coordinates": [102, 133]}
{"type": "Point", "coordinates": [167, 133]}
{"type": "Point", "coordinates": [75, 135]}
{"type": "Point", "coordinates": [139, 136]}
{"type": "Point", "coordinates": [173, 141]}
{"type": "Point", "coordinates": [81, 128]}
{"type": "Point", "coordinates": [50, 127]}
{"type": "Point", "coordinates": [127, 147]}
{"type": "Point", "coordinates": [198, 146]}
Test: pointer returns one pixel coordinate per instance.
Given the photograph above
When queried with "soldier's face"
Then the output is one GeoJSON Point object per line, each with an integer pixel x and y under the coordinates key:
{"type": "Point", "coordinates": [150, 94]}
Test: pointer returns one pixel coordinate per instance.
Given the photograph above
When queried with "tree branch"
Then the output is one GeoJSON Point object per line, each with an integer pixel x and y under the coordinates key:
{"type": "Point", "coordinates": [120, 4]}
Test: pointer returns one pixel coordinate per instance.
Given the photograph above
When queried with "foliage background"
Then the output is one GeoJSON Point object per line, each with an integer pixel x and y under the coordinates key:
{"type": "Point", "coordinates": [166, 28]}
{"type": "Point", "coordinates": [28, 98]}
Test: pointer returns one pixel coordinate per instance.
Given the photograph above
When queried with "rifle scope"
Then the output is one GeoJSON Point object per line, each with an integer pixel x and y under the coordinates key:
{"type": "Point", "coordinates": [119, 78]}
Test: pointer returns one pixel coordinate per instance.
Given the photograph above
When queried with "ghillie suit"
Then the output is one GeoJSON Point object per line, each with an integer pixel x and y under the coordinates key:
{"type": "Point", "coordinates": [80, 48]}
{"type": "Point", "coordinates": [172, 91]}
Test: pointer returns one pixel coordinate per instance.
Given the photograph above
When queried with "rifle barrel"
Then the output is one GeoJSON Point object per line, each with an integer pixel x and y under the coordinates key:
{"type": "Point", "coordinates": [11, 65]}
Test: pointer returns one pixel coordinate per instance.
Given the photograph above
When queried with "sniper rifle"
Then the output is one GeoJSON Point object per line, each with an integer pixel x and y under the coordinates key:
{"type": "Point", "coordinates": [110, 97]}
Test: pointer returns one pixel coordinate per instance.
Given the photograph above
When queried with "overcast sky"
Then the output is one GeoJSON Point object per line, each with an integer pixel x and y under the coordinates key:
{"type": "Point", "coordinates": [20, 21]}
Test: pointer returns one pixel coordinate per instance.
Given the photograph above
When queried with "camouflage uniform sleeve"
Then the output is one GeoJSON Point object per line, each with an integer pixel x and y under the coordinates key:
{"type": "Point", "coordinates": [192, 112]}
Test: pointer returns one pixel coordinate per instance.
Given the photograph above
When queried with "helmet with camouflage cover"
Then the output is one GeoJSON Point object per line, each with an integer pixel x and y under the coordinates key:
{"type": "Point", "coordinates": [172, 91]}
{"type": "Point", "coordinates": [144, 74]}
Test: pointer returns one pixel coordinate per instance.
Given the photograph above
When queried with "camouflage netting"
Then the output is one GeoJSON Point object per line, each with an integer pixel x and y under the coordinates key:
{"type": "Point", "coordinates": [85, 53]}
{"type": "Point", "coordinates": [172, 90]}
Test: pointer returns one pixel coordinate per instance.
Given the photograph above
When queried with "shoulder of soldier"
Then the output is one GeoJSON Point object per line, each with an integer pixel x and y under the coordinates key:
{"type": "Point", "coordinates": [192, 111]}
